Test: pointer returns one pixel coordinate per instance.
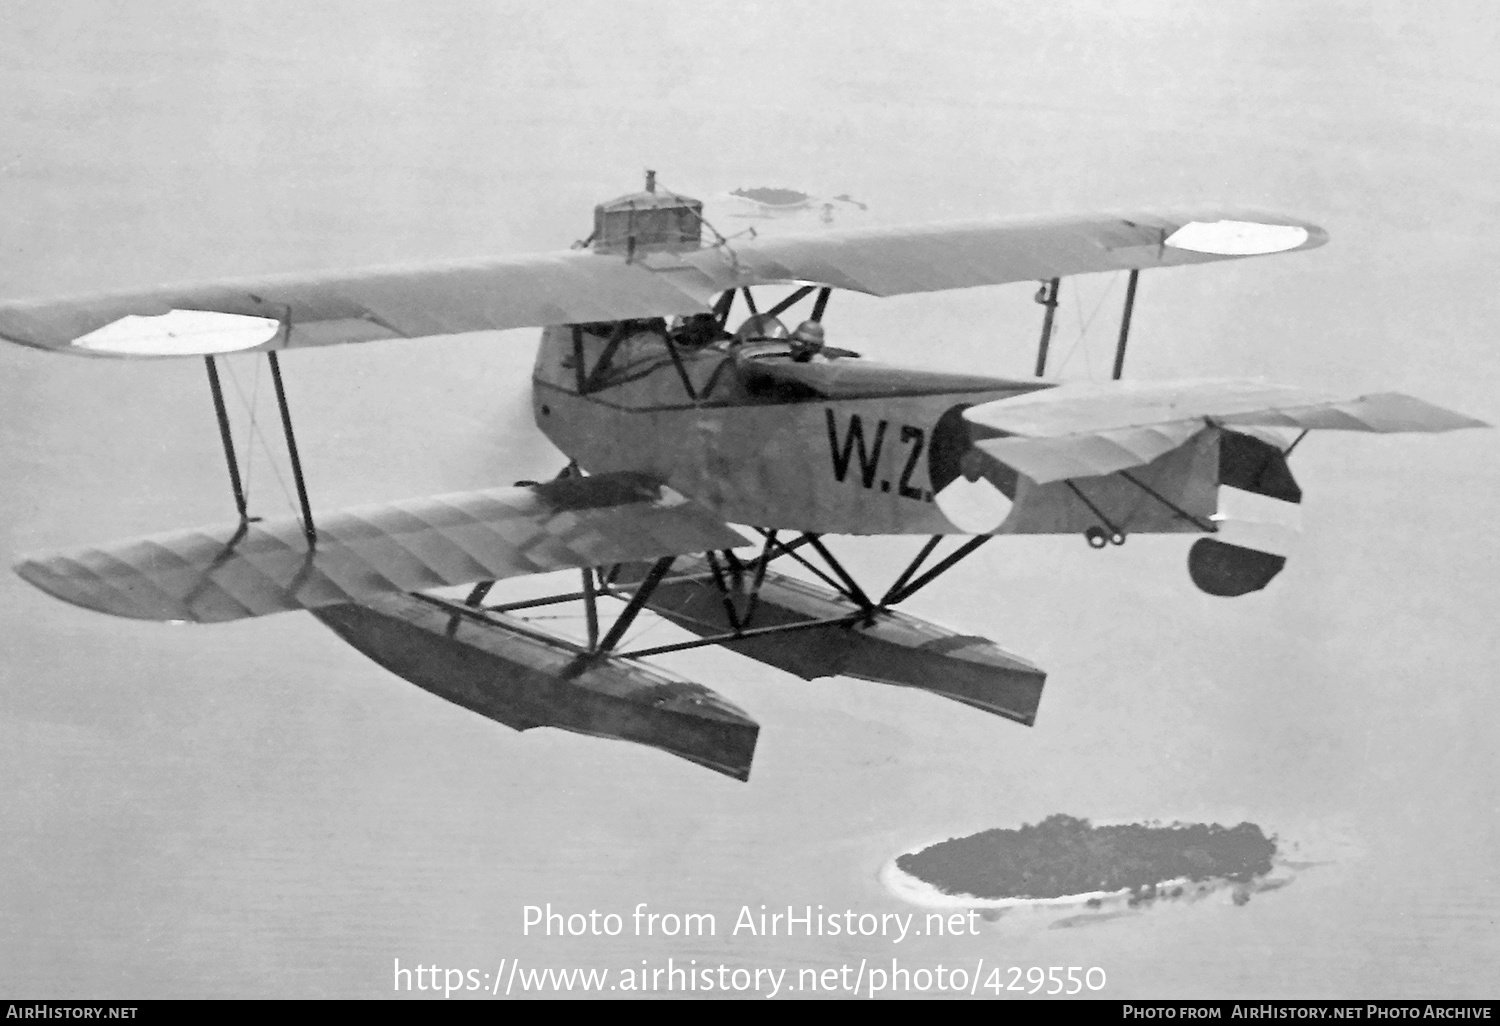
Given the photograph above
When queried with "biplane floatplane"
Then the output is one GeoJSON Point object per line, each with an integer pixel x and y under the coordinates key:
{"type": "Point", "coordinates": [679, 422]}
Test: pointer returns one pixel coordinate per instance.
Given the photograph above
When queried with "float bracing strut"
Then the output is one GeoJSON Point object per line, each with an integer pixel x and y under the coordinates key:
{"type": "Point", "coordinates": [942, 567]}
{"type": "Point", "coordinates": [637, 601]}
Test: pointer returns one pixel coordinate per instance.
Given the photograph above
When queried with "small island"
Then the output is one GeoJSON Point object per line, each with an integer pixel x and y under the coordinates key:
{"type": "Point", "coordinates": [1063, 856]}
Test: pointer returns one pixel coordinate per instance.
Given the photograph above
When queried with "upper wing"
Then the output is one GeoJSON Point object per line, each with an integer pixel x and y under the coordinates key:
{"type": "Point", "coordinates": [929, 258]}
{"type": "Point", "coordinates": [323, 308]}
{"type": "Point", "coordinates": [228, 573]}
{"type": "Point", "coordinates": [1090, 428]}
{"type": "Point", "coordinates": [577, 286]}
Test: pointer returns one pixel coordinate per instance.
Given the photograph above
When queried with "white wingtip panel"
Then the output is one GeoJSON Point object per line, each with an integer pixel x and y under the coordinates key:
{"type": "Point", "coordinates": [179, 333]}
{"type": "Point", "coordinates": [1237, 238]}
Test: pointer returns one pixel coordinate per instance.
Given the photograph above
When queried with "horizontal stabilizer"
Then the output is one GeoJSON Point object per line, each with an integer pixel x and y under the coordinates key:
{"type": "Point", "coordinates": [1090, 455]}
{"type": "Point", "coordinates": [227, 573]}
{"type": "Point", "coordinates": [1087, 429]}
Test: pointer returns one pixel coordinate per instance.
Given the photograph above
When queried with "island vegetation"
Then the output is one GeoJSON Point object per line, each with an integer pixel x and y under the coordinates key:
{"type": "Point", "coordinates": [1063, 855]}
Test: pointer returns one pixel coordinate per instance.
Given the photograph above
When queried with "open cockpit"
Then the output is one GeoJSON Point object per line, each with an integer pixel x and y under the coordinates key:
{"type": "Point", "coordinates": [650, 363]}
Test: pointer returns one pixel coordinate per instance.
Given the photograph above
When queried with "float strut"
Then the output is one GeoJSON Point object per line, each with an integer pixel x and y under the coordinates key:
{"type": "Point", "coordinates": [760, 577]}
{"type": "Point", "coordinates": [852, 589]}
{"type": "Point", "coordinates": [911, 569]}
{"type": "Point", "coordinates": [229, 458]}
{"type": "Point", "coordinates": [642, 595]}
{"type": "Point", "coordinates": [590, 607]}
{"type": "Point", "coordinates": [291, 448]}
{"type": "Point", "coordinates": [724, 593]}
{"type": "Point", "coordinates": [942, 566]}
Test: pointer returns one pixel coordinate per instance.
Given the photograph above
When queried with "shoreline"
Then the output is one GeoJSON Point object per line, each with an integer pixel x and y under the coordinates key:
{"type": "Point", "coordinates": [915, 891]}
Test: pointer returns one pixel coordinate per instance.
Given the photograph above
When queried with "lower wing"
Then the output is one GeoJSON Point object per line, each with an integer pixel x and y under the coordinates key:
{"type": "Point", "coordinates": [231, 572]}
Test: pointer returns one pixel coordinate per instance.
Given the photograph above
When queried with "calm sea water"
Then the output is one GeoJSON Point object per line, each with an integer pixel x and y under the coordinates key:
{"type": "Point", "coordinates": [256, 810]}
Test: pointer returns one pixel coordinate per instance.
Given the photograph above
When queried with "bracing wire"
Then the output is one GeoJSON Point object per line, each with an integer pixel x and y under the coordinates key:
{"type": "Point", "coordinates": [1085, 325]}
{"type": "Point", "coordinates": [255, 432]}
{"type": "Point", "coordinates": [569, 620]}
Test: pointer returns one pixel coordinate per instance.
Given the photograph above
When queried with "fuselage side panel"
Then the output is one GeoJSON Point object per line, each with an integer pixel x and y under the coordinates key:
{"type": "Point", "coordinates": [843, 446]}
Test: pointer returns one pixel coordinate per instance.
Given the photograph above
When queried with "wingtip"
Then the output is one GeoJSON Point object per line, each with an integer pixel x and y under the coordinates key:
{"type": "Point", "coordinates": [36, 570]}
{"type": "Point", "coordinates": [69, 580]}
{"type": "Point", "coordinates": [1426, 416]}
{"type": "Point", "coordinates": [32, 570]}
{"type": "Point", "coordinates": [16, 340]}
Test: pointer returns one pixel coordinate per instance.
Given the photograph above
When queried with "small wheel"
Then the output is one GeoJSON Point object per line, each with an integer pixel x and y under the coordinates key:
{"type": "Point", "coordinates": [1118, 538]}
{"type": "Point", "coordinates": [1096, 537]}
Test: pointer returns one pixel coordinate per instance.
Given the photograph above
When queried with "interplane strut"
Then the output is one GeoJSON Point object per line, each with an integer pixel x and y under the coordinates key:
{"type": "Point", "coordinates": [231, 461]}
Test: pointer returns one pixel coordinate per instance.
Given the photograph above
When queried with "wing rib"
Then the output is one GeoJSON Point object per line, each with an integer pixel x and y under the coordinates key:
{"type": "Point", "coordinates": [227, 573]}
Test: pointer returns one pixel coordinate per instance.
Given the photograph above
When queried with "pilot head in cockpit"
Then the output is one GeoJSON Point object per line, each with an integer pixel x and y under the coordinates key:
{"type": "Point", "coordinates": [807, 342]}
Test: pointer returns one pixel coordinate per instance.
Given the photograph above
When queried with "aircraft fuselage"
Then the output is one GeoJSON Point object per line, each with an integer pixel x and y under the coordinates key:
{"type": "Point", "coordinates": [838, 446]}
